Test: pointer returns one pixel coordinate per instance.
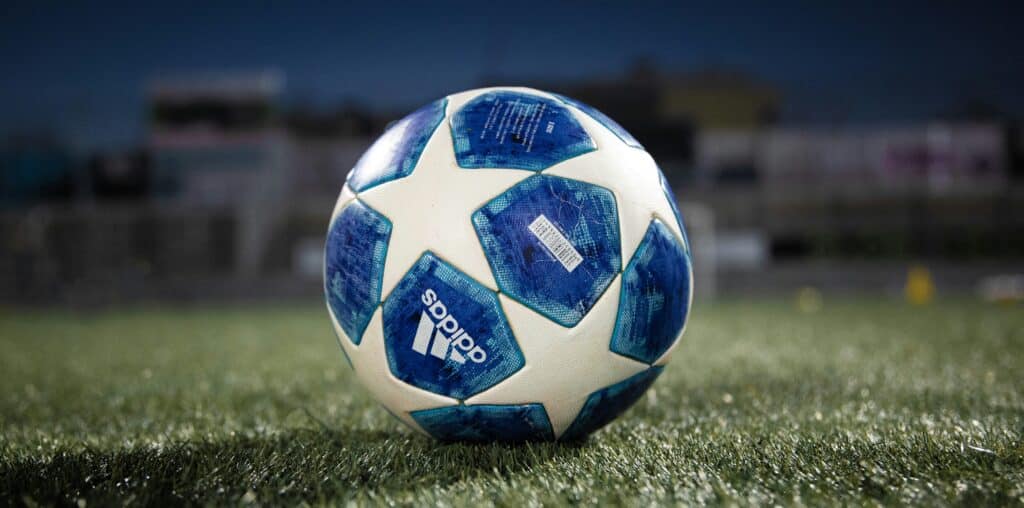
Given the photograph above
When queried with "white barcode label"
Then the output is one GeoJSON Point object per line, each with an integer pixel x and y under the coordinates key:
{"type": "Point", "coordinates": [555, 242]}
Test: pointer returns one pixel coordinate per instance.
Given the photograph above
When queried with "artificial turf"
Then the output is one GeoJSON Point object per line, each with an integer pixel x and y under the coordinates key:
{"type": "Point", "coordinates": [858, 403]}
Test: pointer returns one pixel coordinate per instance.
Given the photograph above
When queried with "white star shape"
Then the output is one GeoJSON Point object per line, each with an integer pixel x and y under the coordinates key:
{"type": "Point", "coordinates": [432, 209]}
{"type": "Point", "coordinates": [370, 363]}
{"type": "Point", "coordinates": [563, 365]}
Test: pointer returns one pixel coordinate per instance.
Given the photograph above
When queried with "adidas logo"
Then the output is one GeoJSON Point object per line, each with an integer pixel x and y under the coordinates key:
{"type": "Point", "coordinates": [435, 323]}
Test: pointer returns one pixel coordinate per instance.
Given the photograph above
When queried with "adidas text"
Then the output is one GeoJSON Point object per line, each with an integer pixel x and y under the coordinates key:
{"type": "Point", "coordinates": [438, 330]}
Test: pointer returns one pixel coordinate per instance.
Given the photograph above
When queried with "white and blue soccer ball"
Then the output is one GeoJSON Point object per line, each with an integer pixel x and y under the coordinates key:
{"type": "Point", "coordinates": [507, 264]}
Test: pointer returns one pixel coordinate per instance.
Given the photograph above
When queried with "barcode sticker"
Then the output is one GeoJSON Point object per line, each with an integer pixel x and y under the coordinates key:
{"type": "Point", "coordinates": [555, 242]}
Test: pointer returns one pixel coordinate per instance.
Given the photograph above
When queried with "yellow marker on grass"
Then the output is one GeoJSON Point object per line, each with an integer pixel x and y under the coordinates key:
{"type": "Point", "coordinates": [920, 289]}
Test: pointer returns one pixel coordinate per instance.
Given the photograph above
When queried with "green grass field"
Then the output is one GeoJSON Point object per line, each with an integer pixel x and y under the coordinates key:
{"type": "Point", "coordinates": [859, 403]}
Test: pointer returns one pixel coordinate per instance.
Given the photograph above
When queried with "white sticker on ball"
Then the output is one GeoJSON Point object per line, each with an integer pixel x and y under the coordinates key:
{"type": "Point", "coordinates": [555, 242]}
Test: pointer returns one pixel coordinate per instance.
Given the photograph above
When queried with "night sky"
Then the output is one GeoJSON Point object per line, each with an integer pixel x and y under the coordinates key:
{"type": "Point", "coordinates": [80, 70]}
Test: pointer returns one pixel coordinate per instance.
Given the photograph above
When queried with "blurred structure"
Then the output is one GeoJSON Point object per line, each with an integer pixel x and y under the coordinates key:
{"type": "Point", "coordinates": [936, 158]}
{"type": "Point", "coordinates": [941, 191]}
{"type": "Point", "coordinates": [217, 145]}
{"type": "Point", "coordinates": [204, 130]}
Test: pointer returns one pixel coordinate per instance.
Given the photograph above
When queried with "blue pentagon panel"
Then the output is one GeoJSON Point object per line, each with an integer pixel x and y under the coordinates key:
{"type": "Point", "coordinates": [518, 131]}
{"type": "Point", "coordinates": [357, 243]}
{"type": "Point", "coordinates": [553, 244]}
{"type": "Point", "coordinates": [655, 296]}
{"type": "Point", "coordinates": [609, 124]}
{"type": "Point", "coordinates": [527, 422]}
{"type": "Point", "coordinates": [671, 197]}
{"type": "Point", "coordinates": [446, 333]}
{"type": "Point", "coordinates": [395, 153]}
{"type": "Point", "coordinates": [606, 404]}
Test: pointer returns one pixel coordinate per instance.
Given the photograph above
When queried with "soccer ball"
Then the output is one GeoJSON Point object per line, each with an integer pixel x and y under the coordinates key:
{"type": "Point", "coordinates": [507, 264]}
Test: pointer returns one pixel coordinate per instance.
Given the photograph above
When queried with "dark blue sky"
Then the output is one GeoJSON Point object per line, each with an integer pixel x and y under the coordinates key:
{"type": "Point", "coordinates": [80, 69]}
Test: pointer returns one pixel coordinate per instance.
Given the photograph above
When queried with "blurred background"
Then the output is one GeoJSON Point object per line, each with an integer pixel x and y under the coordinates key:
{"type": "Point", "coordinates": [194, 153]}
